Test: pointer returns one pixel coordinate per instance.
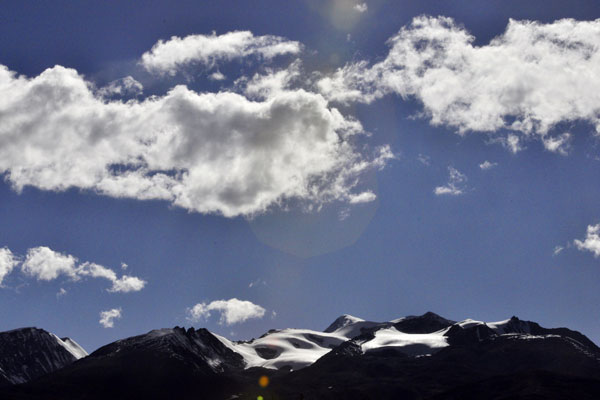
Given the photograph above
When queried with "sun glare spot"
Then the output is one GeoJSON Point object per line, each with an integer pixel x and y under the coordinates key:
{"type": "Point", "coordinates": [263, 381]}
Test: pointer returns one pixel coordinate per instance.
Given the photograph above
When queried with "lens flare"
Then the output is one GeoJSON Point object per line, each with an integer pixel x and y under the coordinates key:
{"type": "Point", "coordinates": [263, 381]}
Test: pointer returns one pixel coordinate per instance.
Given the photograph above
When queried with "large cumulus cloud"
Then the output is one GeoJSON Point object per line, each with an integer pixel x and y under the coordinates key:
{"type": "Point", "coordinates": [524, 82]}
{"type": "Point", "coordinates": [206, 152]}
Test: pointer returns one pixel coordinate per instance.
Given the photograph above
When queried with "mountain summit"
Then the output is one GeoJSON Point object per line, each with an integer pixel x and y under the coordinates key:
{"type": "Point", "coordinates": [343, 321]}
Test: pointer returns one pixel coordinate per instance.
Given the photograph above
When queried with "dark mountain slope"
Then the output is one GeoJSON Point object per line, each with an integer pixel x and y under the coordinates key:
{"type": "Point", "coordinates": [501, 366]}
{"type": "Point", "coordinates": [29, 353]}
{"type": "Point", "coordinates": [166, 363]}
{"type": "Point", "coordinates": [510, 359]}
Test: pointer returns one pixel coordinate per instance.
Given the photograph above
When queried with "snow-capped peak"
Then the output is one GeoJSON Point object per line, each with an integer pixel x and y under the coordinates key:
{"type": "Point", "coordinates": [285, 348]}
{"type": "Point", "coordinates": [342, 321]}
{"type": "Point", "coordinates": [28, 353]}
{"type": "Point", "coordinates": [511, 325]}
{"type": "Point", "coordinates": [408, 343]}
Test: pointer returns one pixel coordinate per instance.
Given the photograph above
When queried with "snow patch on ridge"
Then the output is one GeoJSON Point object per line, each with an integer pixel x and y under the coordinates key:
{"type": "Point", "coordinates": [412, 344]}
{"type": "Point", "coordinates": [293, 348]}
{"type": "Point", "coordinates": [71, 346]}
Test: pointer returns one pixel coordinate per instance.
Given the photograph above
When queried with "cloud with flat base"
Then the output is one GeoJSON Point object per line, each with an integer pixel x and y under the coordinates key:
{"type": "Point", "coordinates": [232, 311]}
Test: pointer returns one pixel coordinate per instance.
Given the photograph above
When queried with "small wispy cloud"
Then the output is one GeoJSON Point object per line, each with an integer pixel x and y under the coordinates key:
{"type": "Point", "coordinates": [257, 282]}
{"type": "Point", "coordinates": [361, 7]}
{"type": "Point", "coordinates": [455, 185]}
{"type": "Point", "coordinates": [344, 213]}
{"type": "Point", "coordinates": [217, 76]}
{"type": "Point", "coordinates": [557, 250]}
{"type": "Point", "coordinates": [107, 318]}
{"type": "Point", "coordinates": [61, 293]}
{"type": "Point", "coordinates": [424, 159]}
{"type": "Point", "coordinates": [558, 144]}
{"type": "Point", "coordinates": [487, 165]}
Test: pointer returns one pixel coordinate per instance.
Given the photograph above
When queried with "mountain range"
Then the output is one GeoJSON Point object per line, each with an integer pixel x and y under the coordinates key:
{"type": "Point", "coordinates": [415, 357]}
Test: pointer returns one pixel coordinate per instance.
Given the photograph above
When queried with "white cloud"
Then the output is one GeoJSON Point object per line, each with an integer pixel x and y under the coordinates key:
{"type": "Point", "coordinates": [455, 185]}
{"type": "Point", "coordinates": [7, 262]}
{"type": "Point", "coordinates": [364, 197]}
{"type": "Point", "coordinates": [558, 144]}
{"type": "Point", "coordinates": [169, 56]}
{"type": "Point", "coordinates": [591, 242]}
{"type": "Point", "coordinates": [126, 284]}
{"type": "Point", "coordinates": [61, 293]}
{"type": "Point", "coordinates": [217, 76]}
{"type": "Point", "coordinates": [46, 264]}
{"type": "Point", "coordinates": [487, 165]}
{"type": "Point", "coordinates": [43, 263]}
{"type": "Point", "coordinates": [122, 87]}
{"type": "Point", "coordinates": [557, 250]}
{"type": "Point", "coordinates": [107, 318]}
{"type": "Point", "coordinates": [361, 7]}
{"type": "Point", "coordinates": [124, 265]}
{"type": "Point", "coordinates": [205, 152]}
{"type": "Point", "coordinates": [233, 311]}
{"type": "Point", "coordinates": [257, 282]}
{"type": "Point", "coordinates": [96, 271]}
{"type": "Point", "coordinates": [123, 284]}
{"type": "Point", "coordinates": [525, 81]}
{"type": "Point", "coordinates": [424, 159]}
{"type": "Point", "coordinates": [344, 213]}
{"type": "Point", "coordinates": [271, 83]}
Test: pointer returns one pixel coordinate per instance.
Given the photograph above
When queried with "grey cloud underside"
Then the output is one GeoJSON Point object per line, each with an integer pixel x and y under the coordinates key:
{"type": "Point", "coordinates": [524, 82]}
{"type": "Point", "coordinates": [206, 152]}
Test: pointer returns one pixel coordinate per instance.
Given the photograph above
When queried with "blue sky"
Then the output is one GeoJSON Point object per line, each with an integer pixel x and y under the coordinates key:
{"type": "Point", "coordinates": [304, 195]}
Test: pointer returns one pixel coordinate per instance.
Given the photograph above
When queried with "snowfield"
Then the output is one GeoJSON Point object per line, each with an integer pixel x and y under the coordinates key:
{"type": "Point", "coordinates": [299, 348]}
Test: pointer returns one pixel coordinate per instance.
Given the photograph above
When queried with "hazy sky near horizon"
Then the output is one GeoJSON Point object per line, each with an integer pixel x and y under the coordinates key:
{"type": "Point", "coordinates": [242, 166]}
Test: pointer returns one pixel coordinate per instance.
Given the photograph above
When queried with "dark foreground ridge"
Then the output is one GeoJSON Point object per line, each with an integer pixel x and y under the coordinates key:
{"type": "Point", "coordinates": [29, 353]}
{"type": "Point", "coordinates": [417, 357]}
